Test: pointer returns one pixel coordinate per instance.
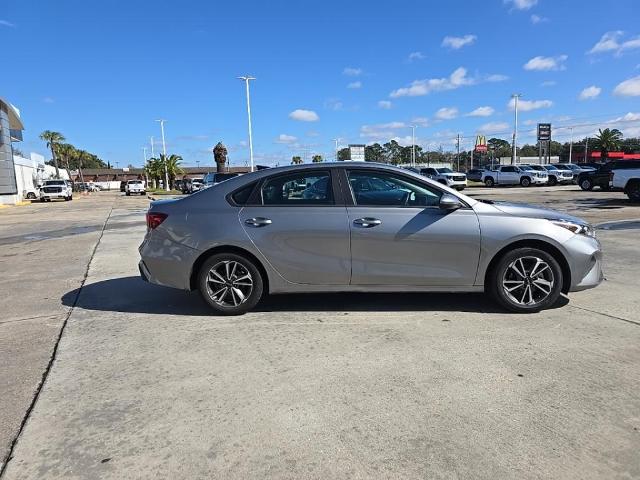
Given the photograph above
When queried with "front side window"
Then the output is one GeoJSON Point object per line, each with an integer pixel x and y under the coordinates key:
{"type": "Point", "coordinates": [303, 188]}
{"type": "Point", "coordinates": [445, 170]}
{"type": "Point", "coordinates": [509, 169]}
{"type": "Point", "coordinates": [377, 188]}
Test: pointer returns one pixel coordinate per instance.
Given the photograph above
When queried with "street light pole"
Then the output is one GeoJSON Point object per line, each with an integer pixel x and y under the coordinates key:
{"type": "Point", "coordinates": [246, 80]}
{"type": "Point", "coordinates": [144, 165]}
{"type": "Point", "coordinates": [164, 152]}
{"type": "Point", "coordinates": [152, 151]}
{"type": "Point", "coordinates": [336, 140]}
{"type": "Point", "coordinates": [515, 97]}
{"type": "Point", "coordinates": [571, 144]}
{"type": "Point", "coordinates": [413, 145]}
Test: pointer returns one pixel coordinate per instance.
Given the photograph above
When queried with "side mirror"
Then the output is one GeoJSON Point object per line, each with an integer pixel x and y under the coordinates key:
{"type": "Point", "coordinates": [450, 202]}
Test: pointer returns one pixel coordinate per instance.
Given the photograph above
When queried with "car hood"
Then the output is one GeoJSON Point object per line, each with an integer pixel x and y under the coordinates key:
{"type": "Point", "coordinates": [531, 211]}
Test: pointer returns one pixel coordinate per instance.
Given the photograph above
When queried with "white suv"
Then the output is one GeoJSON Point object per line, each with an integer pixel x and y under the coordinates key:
{"type": "Point", "coordinates": [627, 179]}
{"type": "Point", "coordinates": [446, 176]}
{"type": "Point", "coordinates": [52, 189]}
{"type": "Point", "coordinates": [134, 186]}
{"type": "Point", "coordinates": [514, 175]}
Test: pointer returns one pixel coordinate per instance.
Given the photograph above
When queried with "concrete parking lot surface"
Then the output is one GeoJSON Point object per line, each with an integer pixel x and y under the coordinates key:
{"type": "Point", "coordinates": [147, 384]}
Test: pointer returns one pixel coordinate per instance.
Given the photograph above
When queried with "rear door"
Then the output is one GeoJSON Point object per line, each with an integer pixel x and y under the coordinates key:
{"type": "Point", "coordinates": [300, 227]}
{"type": "Point", "coordinates": [400, 236]}
{"type": "Point", "coordinates": [509, 175]}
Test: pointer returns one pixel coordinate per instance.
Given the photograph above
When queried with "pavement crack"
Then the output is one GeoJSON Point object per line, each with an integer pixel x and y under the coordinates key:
{"type": "Point", "coordinates": [14, 442]}
{"type": "Point", "coordinates": [633, 322]}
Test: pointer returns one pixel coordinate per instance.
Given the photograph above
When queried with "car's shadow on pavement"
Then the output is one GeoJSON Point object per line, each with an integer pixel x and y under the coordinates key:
{"type": "Point", "coordinates": [133, 295]}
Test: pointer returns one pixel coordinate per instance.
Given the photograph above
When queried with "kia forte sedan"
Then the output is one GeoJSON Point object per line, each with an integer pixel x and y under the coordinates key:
{"type": "Point", "coordinates": [361, 227]}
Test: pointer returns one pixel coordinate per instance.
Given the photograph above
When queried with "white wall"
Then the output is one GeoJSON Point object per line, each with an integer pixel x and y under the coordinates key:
{"type": "Point", "coordinates": [30, 172]}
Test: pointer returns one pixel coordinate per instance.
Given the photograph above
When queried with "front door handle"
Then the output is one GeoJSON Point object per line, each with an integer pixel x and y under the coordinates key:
{"type": "Point", "coordinates": [366, 222]}
{"type": "Point", "coordinates": [258, 222]}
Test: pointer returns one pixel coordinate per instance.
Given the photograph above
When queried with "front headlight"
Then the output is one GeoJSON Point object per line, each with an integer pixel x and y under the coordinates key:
{"type": "Point", "coordinates": [578, 228]}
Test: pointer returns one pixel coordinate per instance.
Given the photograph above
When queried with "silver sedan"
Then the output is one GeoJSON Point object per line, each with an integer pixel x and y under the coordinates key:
{"type": "Point", "coordinates": [361, 227]}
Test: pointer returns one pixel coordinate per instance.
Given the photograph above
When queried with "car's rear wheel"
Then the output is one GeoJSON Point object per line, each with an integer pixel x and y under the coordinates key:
{"type": "Point", "coordinates": [489, 182]}
{"type": "Point", "coordinates": [526, 280]}
{"type": "Point", "coordinates": [230, 284]}
{"type": "Point", "coordinates": [633, 190]}
{"type": "Point", "coordinates": [586, 184]}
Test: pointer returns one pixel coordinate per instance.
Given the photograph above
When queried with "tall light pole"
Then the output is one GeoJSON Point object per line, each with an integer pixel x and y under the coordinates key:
{"type": "Point", "coordinates": [246, 80]}
{"type": "Point", "coordinates": [164, 152]}
{"type": "Point", "coordinates": [571, 144]}
{"type": "Point", "coordinates": [152, 151]}
{"type": "Point", "coordinates": [515, 97]}
{"type": "Point", "coordinates": [413, 145]}
{"type": "Point", "coordinates": [336, 140]}
{"type": "Point", "coordinates": [144, 165]}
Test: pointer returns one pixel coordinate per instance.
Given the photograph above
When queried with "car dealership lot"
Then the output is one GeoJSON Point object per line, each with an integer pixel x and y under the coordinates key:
{"type": "Point", "coordinates": [146, 383]}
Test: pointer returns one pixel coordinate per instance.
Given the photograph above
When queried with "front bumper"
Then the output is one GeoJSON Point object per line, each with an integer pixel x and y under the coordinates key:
{"type": "Point", "coordinates": [457, 184]}
{"type": "Point", "coordinates": [584, 255]}
{"type": "Point", "coordinates": [539, 180]}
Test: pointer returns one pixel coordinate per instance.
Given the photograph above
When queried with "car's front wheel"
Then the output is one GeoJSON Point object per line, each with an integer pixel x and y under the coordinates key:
{"type": "Point", "coordinates": [230, 284]}
{"type": "Point", "coordinates": [586, 184]}
{"type": "Point", "coordinates": [489, 182]}
{"type": "Point", "coordinates": [526, 280]}
{"type": "Point", "coordinates": [525, 182]}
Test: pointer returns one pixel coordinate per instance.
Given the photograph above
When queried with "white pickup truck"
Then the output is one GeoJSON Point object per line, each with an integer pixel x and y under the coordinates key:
{"type": "Point", "coordinates": [627, 180]}
{"type": "Point", "coordinates": [514, 175]}
{"type": "Point", "coordinates": [446, 176]}
{"type": "Point", "coordinates": [52, 189]}
{"type": "Point", "coordinates": [134, 186]}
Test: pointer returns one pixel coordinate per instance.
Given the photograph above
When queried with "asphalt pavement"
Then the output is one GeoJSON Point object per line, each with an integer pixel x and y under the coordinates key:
{"type": "Point", "coordinates": [146, 383]}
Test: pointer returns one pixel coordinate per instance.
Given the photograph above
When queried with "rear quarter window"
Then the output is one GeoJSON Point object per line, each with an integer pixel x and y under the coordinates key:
{"type": "Point", "coordinates": [242, 196]}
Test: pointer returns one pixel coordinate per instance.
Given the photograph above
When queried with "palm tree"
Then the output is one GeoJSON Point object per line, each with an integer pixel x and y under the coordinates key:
{"type": "Point", "coordinates": [316, 158]}
{"type": "Point", "coordinates": [53, 139]}
{"type": "Point", "coordinates": [155, 169]}
{"type": "Point", "coordinates": [173, 166]}
{"type": "Point", "coordinates": [65, 152]}
{"type": "Point", "coordinates": [296, 160]}
{"type": "Point", "coordinates": [220, 156]}
{"type": "Point", "coordinates": [608, 140]}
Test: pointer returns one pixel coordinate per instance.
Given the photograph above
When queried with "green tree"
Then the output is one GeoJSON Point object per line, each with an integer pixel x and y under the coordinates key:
{"type": "Point", "coordinates": [296, 160]}
{"type": "Point", "coordinates": [344, 154]}
{"type": "Point", "coordinates": [608, 140]}
{"type": "Point", "coordinates": [374, 153]}
{"type": "Point", "coordinates": [53, 139]}
{"type": "Point", "coordinates": [501, 148]}
{"type": "Point", "coordinates": [393, 152]}
{"type": "Point", "coordinates": [316, 158]}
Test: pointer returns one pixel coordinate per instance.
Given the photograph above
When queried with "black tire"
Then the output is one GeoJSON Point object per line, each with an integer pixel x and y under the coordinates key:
{"type": "Point", "coordinates": [489, 182]}
{"type": "Point", "coordinates": [42, 200]}
{"type": "Point", "coordinates": [253, 296]}
{"type": "Point", "coordinates": [525, 182]}
{"type": "Point", "coordinates": [66, 199]}
{"type": "Point", "coordinates": [586, 184]}
{"type": "Point", "coordinates": [127, 194]}
{"type": "Point", "coordinates": [553, 181]}
{"type": "Point", "coordinates": [31, 196]}
{"type": "Point", "coordinates": [500, 274]}
{"type": "Point", "coordinates": [633, 190]}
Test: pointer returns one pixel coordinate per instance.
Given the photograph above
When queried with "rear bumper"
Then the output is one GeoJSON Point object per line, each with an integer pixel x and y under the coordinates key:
{"type": "Point", "coordinates": [165, 262]}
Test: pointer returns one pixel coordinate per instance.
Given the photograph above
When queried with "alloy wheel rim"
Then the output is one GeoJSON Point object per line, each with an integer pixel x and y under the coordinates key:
{"type": "Point", "coordinates": [229, 283]}
{"type": "Point", "coordinates": [528, 281]}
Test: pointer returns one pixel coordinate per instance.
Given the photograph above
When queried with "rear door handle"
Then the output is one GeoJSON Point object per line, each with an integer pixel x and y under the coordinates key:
{"type": "Point", "coordinates": [258, 222]}
{"type": "Point", "coordinates": [366, 222]}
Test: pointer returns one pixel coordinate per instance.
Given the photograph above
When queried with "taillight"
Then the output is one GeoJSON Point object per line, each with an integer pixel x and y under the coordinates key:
{"type": "Point", "coordinates": [155, 219]}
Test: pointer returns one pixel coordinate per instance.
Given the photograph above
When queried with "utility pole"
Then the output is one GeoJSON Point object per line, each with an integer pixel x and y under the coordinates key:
{"type": "Point", "coordinates": [152, 151]}
{"type": "Point", "coordinates": [164, 152]}
{"type": "Point", "coordinates": [571, 144]}
{"type": "Point", "coordinates": [246, 80]}
{"type": "Point", "coordinates": [458, 154]}
{"type": "Point", "coordinates": [413, 145]}
{"type": "Point", "coordinates": [336, 140]}
{"type": "Point", "coordinates": [144, 166]}
{"type": "Point", "coordinates": [586, 149]}
{"type": "Point", "coordinates": [515, 97]}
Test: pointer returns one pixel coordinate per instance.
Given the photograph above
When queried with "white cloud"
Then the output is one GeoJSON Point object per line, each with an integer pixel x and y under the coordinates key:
{"type": "Point", "coordinates": [352, 71]}
{"type": "Point", "coordinates": [535, 19]}
{"type": "Point", "coordinates": [355, 85]}
{"type": "Point", "coordinates": [285, 139]}
{"type": "Point", "coordinates": [416, 56]}
{"type": "Point", "coordinates": [548, 83]}
{"type": "Point", "coordinates": [611, 42]}
{"type": "Point", "coordinates": [381, 131]}
{"type": "Point", "coordinates": [302, 115]}
{"type": "Point", "coordinates": [481, 112]}
{"type": "Point", "coordinates": [528, 105]}
{"type": "Point", "coordinates": [496, 77]}
{"type": "Point", "coordinates": [385, 104]}
{"type": "Point", "coordinates": [628, 88]}
{"type": "Point", "coordinates": [590, 93]}
{"type": "Point", "coordinates": [446, 113]}
{"type": "Point", "coordinates": [458, 42]}
{"type": "Point", "coordinates": [420, 121]}
{"type": "Point", "coordinates": [5, 23]}
{"type": "Point", "coordinates": [494, 127]}
{"type": "Point", "coordinates": [546, 63]}
{"type": "Point", "coordinates": [521, 4]}
{"type": "Point", "coordinates": [423, 87]}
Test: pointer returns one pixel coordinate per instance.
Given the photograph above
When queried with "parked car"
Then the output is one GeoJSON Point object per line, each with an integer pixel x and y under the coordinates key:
{"type": "Point", "coordinates": [367, 228]}
{"type": "Point", "coordinates": [195, 185]}
{"type": "Point", "coordinates": [602, 176]}
{"type": "Point", "coordinates": [475, 174]}
{"type": "Point", "coordinates": [554, 175]}
{"type": "Point", "coordinates": [56, 189]}
{"type": "Point", "coordinates": [513, 175]}
{"type": "Point", "coordinates": [575, 168]}
{"type": "Point", "coordinates": [134, 187]}
{"type": "Point", "coordinates": [628, 179]}
{"type": "Point", "coordinates": [446, 176]}
{"type": "Point", "coordinates": [214, 178]}
{"type": "Point", "coordinates": [31, 193]}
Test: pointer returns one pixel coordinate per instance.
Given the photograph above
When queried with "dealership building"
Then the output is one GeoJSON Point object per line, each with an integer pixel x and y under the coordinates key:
{"type": "Point", "coordinates": [10, 131]}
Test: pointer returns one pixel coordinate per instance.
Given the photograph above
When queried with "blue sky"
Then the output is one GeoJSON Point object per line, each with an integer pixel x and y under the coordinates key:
{"type": "Point", "coordinates": [361, 71]}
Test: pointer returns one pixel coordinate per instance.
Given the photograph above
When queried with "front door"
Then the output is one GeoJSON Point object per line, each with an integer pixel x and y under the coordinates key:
{"type": "Point", "coordinates": [400, 236]}
{"type": "Point", "coordinates": [299, 229]}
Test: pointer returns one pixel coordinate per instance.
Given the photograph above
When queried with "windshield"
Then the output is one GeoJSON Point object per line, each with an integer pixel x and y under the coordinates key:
{"type": "Point", "coordinates": [550, 167]}
{"type": "Point", "coordinates": [135, 182]}
{"type": "Point", "coordinates": [444, 170]}
{"type": "Point", "coordinates": [54, 182]}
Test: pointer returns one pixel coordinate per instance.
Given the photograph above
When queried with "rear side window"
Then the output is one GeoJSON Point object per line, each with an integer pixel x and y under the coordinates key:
{"type": "Point", "coordinates": [241, 197]}
{"type": "Point", "coordinates": [508, 169]}
{"type": "Point", "coordinates": [304, 188]}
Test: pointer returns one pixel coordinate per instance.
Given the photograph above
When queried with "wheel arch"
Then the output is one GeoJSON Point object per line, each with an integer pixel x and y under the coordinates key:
{"type": "Point", "coordinates": [533, 243]}
{"type": "Point", "coordinates": [195, 269]}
